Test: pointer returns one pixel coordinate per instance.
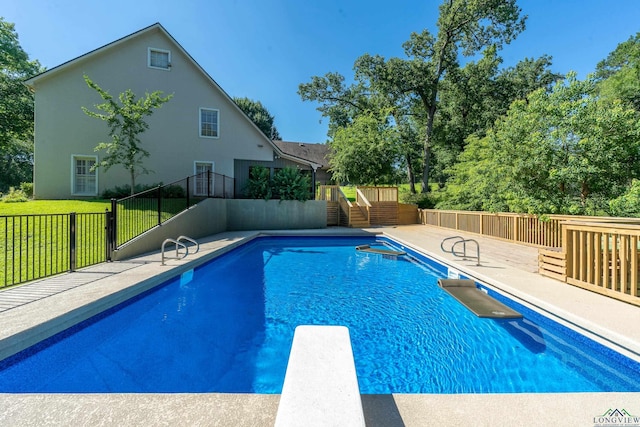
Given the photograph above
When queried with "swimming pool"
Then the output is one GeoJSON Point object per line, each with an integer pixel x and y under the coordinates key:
{"type": "Point", "coordinates": [228, 325]}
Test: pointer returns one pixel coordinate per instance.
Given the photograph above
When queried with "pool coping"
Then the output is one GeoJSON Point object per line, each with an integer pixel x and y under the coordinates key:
{"type": "Point", "coordinates": [63, 309]}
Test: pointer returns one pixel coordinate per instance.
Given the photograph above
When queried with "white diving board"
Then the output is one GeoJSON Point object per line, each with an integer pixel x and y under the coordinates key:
{"type": "Point", "coordinates": [320, 386]}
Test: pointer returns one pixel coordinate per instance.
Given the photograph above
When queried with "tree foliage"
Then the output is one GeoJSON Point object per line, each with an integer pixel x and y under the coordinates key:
{"type": "Point", "coordinates": [559, 151]}
{"type": "Point", "coordinates": [259, 114]}
{"type": "Point", "coordinates": [619, 74]}
{"type": "Point", "coordinates": [16, 109]}
{"type": "Point", "coordinates": [410, 89]}
{"type": "Point", "coordinates": [465, 27]}
{"type": "Point", "coordinates": [364, 152]}
{"type": "Point", "coordinates": [125, 118]}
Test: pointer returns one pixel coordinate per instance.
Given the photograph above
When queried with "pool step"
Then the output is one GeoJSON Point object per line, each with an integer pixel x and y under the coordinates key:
{"type": "Point", "coordinates": [320, 385]}
{"type": "Point", "coordinates": [389, 252]}
{"type": "Point", "coordinates": [477, 301]}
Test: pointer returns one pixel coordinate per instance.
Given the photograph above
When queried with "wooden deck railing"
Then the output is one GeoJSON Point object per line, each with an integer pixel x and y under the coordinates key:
{"type": "Point", "coordinates": [527, 229]}
{"type": "Point", "coordinates": [601, 254]}
{"type": "Point", "coordinates": [603, 257]}
{"type": "Point", "coordinates": [373, 206]}
{"type": "Point", "coordinates": [379, 194]}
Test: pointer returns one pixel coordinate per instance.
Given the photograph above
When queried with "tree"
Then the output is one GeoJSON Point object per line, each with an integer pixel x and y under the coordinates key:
{"type": "Point", "coordinates": [339, 102]}
{"type": "Point", "coordinates": [344, 104]}
{"type": "Point", "coordinates": [413, 86]}
{"type": "Point", "coordinates": [125, 120]}
{"type": "Point", "coordinates": [618, 75]}
{"type": "Point", "coordinates": [363, 152]}
{"type": "Point", "coordinates": [259, 115]}
{"type": "Point", "coordinates": [559, 151]}
{"type": "Point", "coordinates": [475, 96]}
{"type": "Point", "coordinates": [464, 27]}
{"type": "Point", "coordinates": [16, 109]}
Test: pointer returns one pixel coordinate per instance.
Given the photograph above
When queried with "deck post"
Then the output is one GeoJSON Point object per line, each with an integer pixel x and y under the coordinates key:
{"type": "Point", "coordinates": [567, 250]}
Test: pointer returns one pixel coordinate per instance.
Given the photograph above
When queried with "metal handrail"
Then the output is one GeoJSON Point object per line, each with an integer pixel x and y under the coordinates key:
{"type": "Point", "coordinates": [178, 245]}
{"type": "Point", "coordinates": [189, 239]}
{"type": "Point", "coordinates": [463, 254]}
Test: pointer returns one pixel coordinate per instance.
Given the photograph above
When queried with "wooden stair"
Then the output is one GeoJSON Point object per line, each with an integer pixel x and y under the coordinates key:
{"type": "Point", "coordinates": [358, 217]}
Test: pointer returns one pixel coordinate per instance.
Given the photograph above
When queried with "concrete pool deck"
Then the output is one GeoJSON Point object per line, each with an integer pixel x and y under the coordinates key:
{"type": "Point", "coordinates": [510, 267]}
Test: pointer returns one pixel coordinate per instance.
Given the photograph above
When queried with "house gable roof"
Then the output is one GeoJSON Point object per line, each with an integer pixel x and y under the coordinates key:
{"type": "Point", "coordinates": [158, 27]}
{"type": "Point", "coordinates": [316, 153]}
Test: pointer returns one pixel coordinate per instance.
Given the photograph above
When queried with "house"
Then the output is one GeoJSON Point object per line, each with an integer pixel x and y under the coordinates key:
{"type": "Point", "coordinates": [315, 153]}
{"type": "Point", "coordinates": [200, 129]}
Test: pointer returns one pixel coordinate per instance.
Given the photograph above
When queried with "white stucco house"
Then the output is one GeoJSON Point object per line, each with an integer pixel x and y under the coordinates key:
{"type": "Point", "coordinates": [199, 129]}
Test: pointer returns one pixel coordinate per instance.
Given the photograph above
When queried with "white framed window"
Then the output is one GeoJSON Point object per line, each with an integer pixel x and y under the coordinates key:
{"type": "Point", "coordinates": [203, 187]}
{"type": "Point", "coordinates": [159, 59]}
{"type": "Point", "coordinates": [209, 123]}
{"type": "Point", "coordinates": [84, 179]}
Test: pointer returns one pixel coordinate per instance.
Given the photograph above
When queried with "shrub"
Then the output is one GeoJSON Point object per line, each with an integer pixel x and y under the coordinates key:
{"type": "Point", "coordinates": [290, 184]}
{"type": "Point", "coordinates": [119, 192]}
{"type": "Point", "coordinates": [173, 192]}
{"type": "Point", "coordinates": [15, 196]}
{"type": "Point", "coordinates": [27, 188]}
{"type": "Point", "coordinates": [424, 201]}
{"type": "Point", "coordinates": [259, 184]}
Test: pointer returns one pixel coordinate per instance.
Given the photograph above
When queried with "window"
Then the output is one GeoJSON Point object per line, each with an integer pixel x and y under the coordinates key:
{"type": "Point", "coordinates": [204, 187]}
{"type": "Point", "coordinates": [159, 58]}
{"type": "Point", "coordinates": [84, 180]}
{"type": "Point", "coordinates": [209, 123]}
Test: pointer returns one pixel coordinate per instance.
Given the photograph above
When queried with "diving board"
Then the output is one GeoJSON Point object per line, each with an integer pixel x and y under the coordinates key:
{"type": "Point", "coordinates": [367, 248]}
{"type": "Point", "coordinates": [477, 301]}
{"type": "Point", "coordinates": [320, 385]}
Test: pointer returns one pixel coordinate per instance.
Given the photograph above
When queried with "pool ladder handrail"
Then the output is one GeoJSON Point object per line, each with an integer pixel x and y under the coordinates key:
{"type": "Point", "coordinates": [178, 244]}
{"type": "Point", "coordinates": [463, 254]}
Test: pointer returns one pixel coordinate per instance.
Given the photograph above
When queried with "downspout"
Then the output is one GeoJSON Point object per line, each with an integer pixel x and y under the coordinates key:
{"type": "Point", "coordinates": [313, 182]}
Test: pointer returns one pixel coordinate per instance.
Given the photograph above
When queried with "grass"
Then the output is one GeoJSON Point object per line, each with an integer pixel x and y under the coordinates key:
{"type": "Point", "coordinates": [404, 191]}
{"type": "Point", "coordinates": [33, 207]}
{"type": "Point", "coordinates": [32, 247]}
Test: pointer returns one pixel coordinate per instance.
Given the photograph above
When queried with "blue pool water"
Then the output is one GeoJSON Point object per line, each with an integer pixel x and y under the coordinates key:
{"type": "Point", "coordinates": [228, 327]}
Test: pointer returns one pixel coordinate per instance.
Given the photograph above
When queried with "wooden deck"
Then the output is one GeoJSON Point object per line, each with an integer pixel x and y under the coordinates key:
{"type": "Point", "coordinates": [521, 257]}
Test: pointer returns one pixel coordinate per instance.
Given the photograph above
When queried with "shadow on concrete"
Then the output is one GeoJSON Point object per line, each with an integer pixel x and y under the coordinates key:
{"type": "Point", "coordinates": [380, 410]}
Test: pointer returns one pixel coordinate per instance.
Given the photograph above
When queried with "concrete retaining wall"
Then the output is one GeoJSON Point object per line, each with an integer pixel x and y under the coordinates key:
{"type": "Point", "coordinates": [204, 219]}
{"type": "Point", "coordinates": [249, 214]}
{"type": "Point", "coordinates": [212, 216]}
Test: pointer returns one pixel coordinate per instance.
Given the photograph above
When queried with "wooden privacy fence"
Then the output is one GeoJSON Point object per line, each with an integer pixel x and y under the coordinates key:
{"type": "Point", "coordinates": [600, 254]}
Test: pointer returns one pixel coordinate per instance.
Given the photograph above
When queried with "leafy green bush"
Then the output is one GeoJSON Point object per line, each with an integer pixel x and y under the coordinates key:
{"type": "Point", "coordinates": [291, 184]}
{"type": "Point", "coordinates": [119, 192]}
{"type": "Point", "coordinates": [15, 196]}
{"type": "Point", "coordinates": [628, 204]}
{"type": "Point", "coordinates": [259, 184]}
{"type": "Point", "coordinates": [173, 192]}
{"type": "Point", "coordinates": [424, 201]}
{"type": "Point", "coordinates": [27, 188]}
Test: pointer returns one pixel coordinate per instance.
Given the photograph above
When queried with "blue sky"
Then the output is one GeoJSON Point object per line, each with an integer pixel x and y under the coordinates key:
{"type": "Point", "coordinates": [264, 49]}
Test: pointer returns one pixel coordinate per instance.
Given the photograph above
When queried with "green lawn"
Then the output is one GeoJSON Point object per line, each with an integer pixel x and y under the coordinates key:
{"type": "Point", "coordinates": [37, 246]}
{"type": "Point", "coordinates": [33, 207]}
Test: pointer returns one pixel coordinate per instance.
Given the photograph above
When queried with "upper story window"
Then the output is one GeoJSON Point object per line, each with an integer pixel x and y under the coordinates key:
{"type": "Point", "coordinates": [159, 58]}
{"type": "Point", "coordinates": [209, 126]}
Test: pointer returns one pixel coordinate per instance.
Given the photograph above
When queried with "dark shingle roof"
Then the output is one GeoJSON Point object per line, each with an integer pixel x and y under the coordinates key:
{"type": "Point", "coordinates": [316, 153]}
